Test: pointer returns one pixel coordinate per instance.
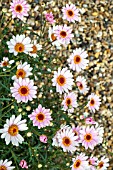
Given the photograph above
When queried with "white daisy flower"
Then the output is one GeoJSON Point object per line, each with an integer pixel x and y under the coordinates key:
{"type": "Point", "coordinates": [81, 83]}
{"type": "Point", "coordinates": [36, 47]}
{"type": "Point", "coordinates": [6, 63]}
{"type": "Point", "coordinates": [69, 102]}
{"type": "Point", "coordinates": [94, 102]}
{"type": "Point", "coordinates": [23, 71]}
{"type": "Point", "coordinates": [67, 140]}
{"type": "Point", "coordinates": [53, 38]}
{"type": "Point", "coordinates": [77, 60]}
{"type": "Point", "coordinates": [64, 34]}
{"type": "Point", "coordinates": [55, 138]}
{"type": "Point", "coordinates": [19, 44]}
{"type": "Point", "coordinates": [11, 130]}
{"type": "Point", "coordinates": [80, 162]}
{"type": "Point", "coordinates": [23, 90]}
{"type": "Point", "coordinates": [6, 165]}
{"type": "Point", "coordinates": [103, 163]}
{"type": "Point", "coordinates": [63, 80]}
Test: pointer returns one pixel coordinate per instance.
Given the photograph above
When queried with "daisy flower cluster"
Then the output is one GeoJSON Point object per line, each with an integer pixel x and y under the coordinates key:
{"type": "Point", "coordinates": [88, 136]}
{"type": "Point", "coordinates": [68, 81]}
{"type": "Point", "coordinates": [23, 88]}
{"type": "Point", "coordinates": [82, 162]}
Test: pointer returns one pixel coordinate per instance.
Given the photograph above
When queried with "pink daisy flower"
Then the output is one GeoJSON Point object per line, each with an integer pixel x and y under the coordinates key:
{"type": "Point", "coordinates": [23, 90]}
{"type": "Point", "coordinates": [81, 83]}
{"type": "Point", "coordinates": [67, 140]}
{"type": "Point", "coordinates": [19, 9]}
{"type": "Point", "coordinates": [103, 164]}
{"type": "Point", "coordinates": [77, 60]}
{"type": "Point", "coordinates": [41, 117]}
{"type": "Point", "coordinates": [89, 137]}
{"type": "Point", "coordinates": [92, 163]}
{"type": "Point", "coordinates": [80, 162]}
{"type": "Point", "coordinates": [94, 102]}
{"type": "Point", "coordinates": [70, 13]}
{"type": "Point", "coordinates": [63, 34]}
{"type": "Point", "coordinates": [50, 17]}
{"type": "Point", "coordinates": [63, 80]}
{"type": "Point", "coordinates": [90, 120]}
{"type": "Point", "coordinates": [69, 102]}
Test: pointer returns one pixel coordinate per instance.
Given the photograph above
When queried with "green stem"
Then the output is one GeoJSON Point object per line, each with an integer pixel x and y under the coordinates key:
{"type": "Point", "coordinates": [4, 75]}
{"type": "Point", "coordinates": [7, 106]}
{"type": "Point", "coordinates": [14, 157]}
{"type": "Point", "coordinates": [9, 70]}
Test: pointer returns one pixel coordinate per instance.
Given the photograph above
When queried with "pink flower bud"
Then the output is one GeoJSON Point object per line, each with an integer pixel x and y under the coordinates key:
{"type": "Point", "coordinates": [89, 120]}
{"type": "Point", "coordinates": [78, 83]}
{"type": "Point", "coordinates": [23, 164]}
{"type": "Point", "coordinates": [43, 138]}
{"type": "Point", "coordinates": [50, 17]}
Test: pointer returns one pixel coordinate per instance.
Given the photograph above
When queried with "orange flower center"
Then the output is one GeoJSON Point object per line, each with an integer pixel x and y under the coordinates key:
{"type": "Point", "coordinates": [63, 34]}
{"type": "Point", "coordinates": [34, 49]}
{"type": "Point", "coordinates": [5, 63]}
{"type": "Point", "coordinates": [68, 101]}
{"type": "Point", "coordinates": [90, 163]}
{"type": "Point", "coordinates": [40, 117]}
{"type": "Point", "coordinates": [53, 37]}
{"type": "Point", "coordinates": [13, 130]}
{"type": "Point", "coordinates": [23, 90]}
{"type": "Point", "coordinates": [77, 59]}
{"type": "Point", "coordinates": [66, 141]}
{"type": "Point", "coordinates": [88, 137]}
{"type": "Point", "coordinates": [20, 73]}
{"type": "Point", "coordinates": [92, 102]}
{"type": "Point", "coordinates": [101, 164]}
{"type": "Point", "coordinates": [2, 167]}
{"type": "Point", "coordinates": [70, 13]}
{"type": "Point", "coordinates": [19, 47]}
{"type": "Point", "coordinates": [18, 8]}
{"type": "Point", "coordinates": [77, 164]}
{"type": "Point", "coordinates": [61, 80]}
{"type": "Point", "coordinates": [80, 86]}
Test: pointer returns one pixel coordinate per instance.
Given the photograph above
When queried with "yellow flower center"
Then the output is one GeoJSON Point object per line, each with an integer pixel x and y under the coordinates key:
{"type": "Point", "coordinates": [40, 117]}
{"type": "Point", "coordinates": [77, 59]}
{"type": "Point", "coordinates": [77, 164]}
{"type": "Point", "coordinates": [20, 73]}
{"type": "Point", "coordinates": [88, 137]}
{"type": "Point", "coordinates": [18, 8]}
{"type": "Point", "coordinates": [34, 49]}
{"type": "Point", "coordinates": [100, 165]}
{"type": "Point", "coordinates": [13, 130]}
{"type": "Point", "coordinates": [23, 90]}
{"type": "Point", "coordinates": [19, 47]}
{"type": "Point", "coordinates": [92, 102]}
{"type": "Point", "coordinates": [66, 141]}
{"type": "Point", "coordinates": [68, 101]}
{"type": "Point", "coordinates": [53, 37]}
{"type": "Point", "coordinates": [70, 13]}
{"type": "Point", "coordinates": [63, 34]}
{"type": "Point", "coordinates": [5, 63]}
{"type": "Point", "coordinates": [61, 80]}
